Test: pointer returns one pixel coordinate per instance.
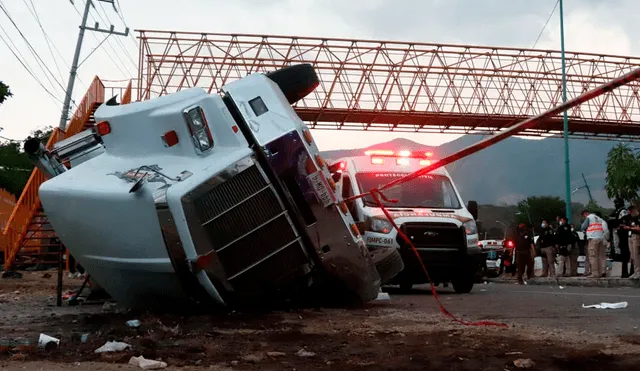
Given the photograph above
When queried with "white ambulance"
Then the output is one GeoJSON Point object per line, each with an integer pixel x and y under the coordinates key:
{"type": "Point", "coordinates": [429, 210]}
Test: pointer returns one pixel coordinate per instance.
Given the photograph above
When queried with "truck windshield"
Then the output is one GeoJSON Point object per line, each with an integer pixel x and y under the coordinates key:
{"type": "Point", "coordinates": [427, 191]}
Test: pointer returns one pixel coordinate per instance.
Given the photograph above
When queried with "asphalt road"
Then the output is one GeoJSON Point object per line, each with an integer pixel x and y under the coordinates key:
{"type": "Point", "coordinates": [532, 305]}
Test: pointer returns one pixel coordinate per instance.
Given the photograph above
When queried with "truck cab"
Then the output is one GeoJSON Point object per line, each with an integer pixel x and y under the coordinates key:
{"type": "Point", "coordinates": [217, 199]}
{"type": "Point", "coordinates": [429, 211]}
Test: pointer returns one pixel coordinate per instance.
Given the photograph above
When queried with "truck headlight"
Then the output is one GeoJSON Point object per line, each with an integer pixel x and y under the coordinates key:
{"type": "Point", "coordinates": [470, 227]}
{"type": "Point", "coordinates": [380, 225]}
{"type": "Point", "coordinates": [199, 129]}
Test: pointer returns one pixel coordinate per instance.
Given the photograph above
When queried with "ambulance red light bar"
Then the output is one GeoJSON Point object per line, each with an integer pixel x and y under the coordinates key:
{"type": "Point", "coordinates": [401, 157]}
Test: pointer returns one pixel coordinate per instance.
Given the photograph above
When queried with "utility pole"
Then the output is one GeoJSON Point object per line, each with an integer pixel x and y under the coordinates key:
{"type": "Point", "coordinates": [567, 167]}
{"type": "Point", "coordinates": [74, 66]}
{"type": "Point", "coordinates": [586, 185]}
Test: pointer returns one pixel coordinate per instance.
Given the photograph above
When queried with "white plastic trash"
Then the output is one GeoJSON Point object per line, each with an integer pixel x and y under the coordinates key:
{"type": "Point", "coordinates": [383, 296]}
{"type": "Point", "coordinates": [147, 364]}
{"type": "Point", "coordinates": [46, 339]}
{"type": "Point", "coordinates": [620, 305]}
{"type": "Point", "coordinates": [113, 346]}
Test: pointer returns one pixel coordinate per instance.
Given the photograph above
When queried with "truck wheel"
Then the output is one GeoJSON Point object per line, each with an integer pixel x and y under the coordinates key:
{"type": "Point", "coordinates": [296, 82]}
{"type": "Point", "coordinates": [463, 286]}
{"type": "Point", "coordinates": [388, 263]}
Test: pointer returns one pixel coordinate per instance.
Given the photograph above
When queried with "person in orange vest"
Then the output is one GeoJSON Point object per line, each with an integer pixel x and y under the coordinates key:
{"type": "Point", "coordinates": [597, 232]}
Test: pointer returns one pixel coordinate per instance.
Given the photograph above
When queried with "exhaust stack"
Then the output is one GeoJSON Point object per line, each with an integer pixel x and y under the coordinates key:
{"type": "Point", "coordinates": [42, 159]}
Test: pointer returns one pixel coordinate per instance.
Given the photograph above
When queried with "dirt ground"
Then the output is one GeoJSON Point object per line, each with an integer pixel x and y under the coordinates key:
{"type": "Point", "coordinates": [385, 335]}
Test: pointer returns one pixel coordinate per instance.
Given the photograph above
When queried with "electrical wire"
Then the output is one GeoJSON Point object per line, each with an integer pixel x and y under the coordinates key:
{"type": "Point", "coordinates": [118, 41]}
{"type": "Point", "coordinates": [108, 54]}
{"type": "Point", "coordinates": [545, 24]}
{"type": "Point", "coordinates": [33, 51]}
{"type": "Point", "coordinates": [121, 15]}
{"type": "Point", "coordinates": [28, 69]}
{"type": "Point", "coordinates": [34, 13]}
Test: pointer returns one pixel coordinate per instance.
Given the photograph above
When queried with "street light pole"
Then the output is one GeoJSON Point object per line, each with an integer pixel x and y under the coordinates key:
{"type": "Point", "coordinates": [567, 171]}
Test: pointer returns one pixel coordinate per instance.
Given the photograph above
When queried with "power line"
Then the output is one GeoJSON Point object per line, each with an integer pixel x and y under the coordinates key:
{"type": "Point", "coordinates": [33, 51]}
{"type": "Point", "coordinates": [108, 54]}
{"type": "Point", "coordinates": [27, 68]}
{"type": "Point", "coordinates": [121, 15]}
{"type": "Point", "coordinates": [34, 13]}
{"type": "Point", "coordinates": [118, 41]}
{"type": "Point", "coordinates": [545, 24]}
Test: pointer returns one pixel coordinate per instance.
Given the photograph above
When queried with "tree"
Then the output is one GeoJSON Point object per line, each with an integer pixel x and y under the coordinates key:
{"type": "Point", "coordinates": [623, 174]}
{"type": "Point", "coordinates": [5, 92]}
{"type": "Point", "coordinates": [16, 166]}
{"type": "Point", "coordinates": [539, 208]}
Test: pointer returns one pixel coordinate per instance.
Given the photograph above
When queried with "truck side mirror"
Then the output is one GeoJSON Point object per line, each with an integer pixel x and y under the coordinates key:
{"type": "Point", "coordinates": [473, 209]}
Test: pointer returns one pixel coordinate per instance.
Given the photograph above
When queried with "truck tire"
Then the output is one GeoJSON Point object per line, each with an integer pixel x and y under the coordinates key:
{"type": "Point", "coordinates": [388, 263]}
{"type": "Point", "coordinates": [463, 286]}
{"type": "Point", "coordinates": [296, 82]}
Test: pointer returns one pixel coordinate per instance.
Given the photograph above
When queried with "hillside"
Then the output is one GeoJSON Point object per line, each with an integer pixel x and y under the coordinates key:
{"type": "Point", "coordinates": [516, 168]}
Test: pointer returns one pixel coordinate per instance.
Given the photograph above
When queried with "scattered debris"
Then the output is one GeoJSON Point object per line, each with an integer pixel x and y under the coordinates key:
{"type": "Point", "coordinates": [513, 354]}
{"type": "Point", "coordinates": [383, 296]}
{"type": "Point", "coordinates": [109, 307]}
{"type": "Point", "coordinates": [84, 338]}
{"type": "Point", "coordinates": [523, 363]}
{"type": "Point", "coordinates": [620, 305]}
{"type": "Point", "coordinates": [253, 358]}
{"type": "Point", "coordinates": [48, 342]}
{"type": "Point", "coordinates": [113, 346]}
{"type": "Point", "coordinates": [147, 364]}
{"type": "Point", "coordinates": [46, 275]}
{"type": "Point", "coordinates": [304, 353]}
{"type": "Point", "coordinates": [276, 354]}
{"type": "Point", "coordinates": [133, 323]}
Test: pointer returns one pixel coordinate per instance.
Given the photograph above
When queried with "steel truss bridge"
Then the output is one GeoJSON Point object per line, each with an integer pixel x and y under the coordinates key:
{"type": "Point", "coordinates": [404, 86]}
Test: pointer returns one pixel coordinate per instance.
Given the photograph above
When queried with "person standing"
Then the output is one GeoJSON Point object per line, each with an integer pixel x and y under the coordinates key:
{"type": "Point", "coordinates": [633, 226]}
{"type": "Point", "coordinates": [624, 219]}
{"type": "Point", "coordinates": [597, 232]}
{"type": "Point", "coordinates": [574, 253]}
{"type": "Point", "coordinates": [548, 251]}
{"type": "Point", "coordinates": [525, 251]}
{"type": "Point", "coordinates": [564, 239]}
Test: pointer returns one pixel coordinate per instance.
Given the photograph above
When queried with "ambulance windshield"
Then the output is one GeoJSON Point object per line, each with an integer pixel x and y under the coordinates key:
{"type": "Point", "coordinates": [427, 191]}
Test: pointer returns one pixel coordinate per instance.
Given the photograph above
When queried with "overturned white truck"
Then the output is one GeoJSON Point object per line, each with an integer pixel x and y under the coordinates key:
{"type": "Point", "coordinates": [216, 199]}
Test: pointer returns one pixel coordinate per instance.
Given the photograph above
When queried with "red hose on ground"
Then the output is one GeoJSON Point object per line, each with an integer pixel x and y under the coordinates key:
{"type": "Point", "coordinates": [377, 196]}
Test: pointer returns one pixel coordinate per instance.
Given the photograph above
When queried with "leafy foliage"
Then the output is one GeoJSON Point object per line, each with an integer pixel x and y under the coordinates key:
{"type": "Point", "coordinates": [623, 173]}
{"type": "Point", "coordinates": [16, 166]}
{"type": "Point", "coordinates": [539, 208]}
{"type": "Point", "coordinates": [5, 92]}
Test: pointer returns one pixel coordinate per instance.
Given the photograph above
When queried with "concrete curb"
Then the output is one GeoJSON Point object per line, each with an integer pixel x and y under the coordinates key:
{"type": "Point", "coordinates": [574, 281]}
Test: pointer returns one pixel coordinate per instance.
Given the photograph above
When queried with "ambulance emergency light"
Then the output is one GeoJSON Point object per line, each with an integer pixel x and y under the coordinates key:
{"type": "Point", "coordinates": [403, 158]}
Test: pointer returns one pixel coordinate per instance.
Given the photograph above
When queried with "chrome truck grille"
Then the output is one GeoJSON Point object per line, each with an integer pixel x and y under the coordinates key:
{"type": "Point", "coordinates": [249, 229]}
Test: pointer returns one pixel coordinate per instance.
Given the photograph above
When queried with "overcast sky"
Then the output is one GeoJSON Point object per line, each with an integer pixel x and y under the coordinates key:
{"type": "Point", "coordinates": [601, 26]}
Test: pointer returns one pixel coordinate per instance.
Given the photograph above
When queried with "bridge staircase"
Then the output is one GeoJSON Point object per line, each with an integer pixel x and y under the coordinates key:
{"type": "Point", "coordinates": [28, 240]}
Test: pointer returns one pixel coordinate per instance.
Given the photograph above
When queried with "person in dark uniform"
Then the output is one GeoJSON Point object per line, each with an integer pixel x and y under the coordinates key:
{"type": "Point", "coordinates": [632, 226]}
{"type": "Point", "coordinates": [564, 239]}
{"type": "Point", "coordinates": [620, 218]}
{"type": "Point", "coordinates": [547, 243]}
{"type": "Point", "coordinates": [524, 250]}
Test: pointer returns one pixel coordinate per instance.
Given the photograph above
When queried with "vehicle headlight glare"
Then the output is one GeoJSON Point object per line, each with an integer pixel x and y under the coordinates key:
{"type": "Point", "coordinates": [380, 225]}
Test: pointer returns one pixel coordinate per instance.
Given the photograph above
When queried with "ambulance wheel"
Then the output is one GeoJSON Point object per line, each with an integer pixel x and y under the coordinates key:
{"type": "Point", "coordinates": [296, 82]}
{"type": "Point", "coordinates": [388, 263]}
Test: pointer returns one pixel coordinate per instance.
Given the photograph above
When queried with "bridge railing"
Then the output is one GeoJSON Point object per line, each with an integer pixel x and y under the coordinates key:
{"type": "Point", "coordinates": [403, 86]}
